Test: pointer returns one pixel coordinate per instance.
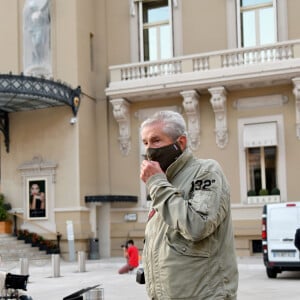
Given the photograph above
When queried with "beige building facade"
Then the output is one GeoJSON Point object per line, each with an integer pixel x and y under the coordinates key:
{"type": "Point", "coordinates": [231, 68]}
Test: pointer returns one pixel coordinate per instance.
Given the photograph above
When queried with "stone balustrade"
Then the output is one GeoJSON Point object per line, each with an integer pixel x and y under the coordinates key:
{"type": "Point", "coordinates": [208, 61]}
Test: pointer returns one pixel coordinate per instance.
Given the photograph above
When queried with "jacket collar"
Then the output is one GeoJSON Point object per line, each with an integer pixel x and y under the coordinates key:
{"type": "Point", "coordinates": [177, 165]}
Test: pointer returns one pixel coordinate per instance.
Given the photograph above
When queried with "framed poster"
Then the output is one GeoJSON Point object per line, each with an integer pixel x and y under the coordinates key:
{"type": "Point", "coordinates": [37, 198]}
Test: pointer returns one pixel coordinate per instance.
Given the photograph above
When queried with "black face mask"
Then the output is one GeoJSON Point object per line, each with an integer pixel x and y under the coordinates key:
{"type": "Point", "coordinates": [164, 155]}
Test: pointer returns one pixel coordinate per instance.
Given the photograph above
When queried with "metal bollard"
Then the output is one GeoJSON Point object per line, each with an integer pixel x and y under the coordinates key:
{"type": "Point", "coordinates": [24, 266]}
{"type": "Point", "coordinates": [81, 261]}
{"type": "Point", "coordinates": [55, 261]}
{"type": "Point", "coordinates": [95, 294]}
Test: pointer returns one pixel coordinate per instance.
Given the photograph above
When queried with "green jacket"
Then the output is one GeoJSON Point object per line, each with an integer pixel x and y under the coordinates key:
{"type": "Point", "coordinates": [189, 245]}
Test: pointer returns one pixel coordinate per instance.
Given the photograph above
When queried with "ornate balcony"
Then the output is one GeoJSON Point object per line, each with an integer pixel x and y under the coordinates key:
{"type": "Point", "coordinates": [217, 73]}
{"type": "Point", "coordinates": [233, 69]}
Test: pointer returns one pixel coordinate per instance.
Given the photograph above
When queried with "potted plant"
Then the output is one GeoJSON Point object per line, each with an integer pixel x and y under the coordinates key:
{"type": "Point", "coordinates": [27, 237]}
{"type": "Point", "coordinates": [20, 234]}
{"type": "Point", "coordinates": [34, 239]}
{"type": "Point", "coordinates": [263, 192]}
{"type": "Point", "coordinates": [51, 247]}
{"type": "Point", "coordinates": [251, 193]}
{"type": "Point", "coordinates": [42, 244]}
{"type": "Point", "coordinates": [275, 191]}
{"type": "Point", "coordinates": [5, 222]}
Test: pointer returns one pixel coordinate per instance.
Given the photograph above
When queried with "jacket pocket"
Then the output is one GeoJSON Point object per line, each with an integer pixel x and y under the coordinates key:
{"type": "Point", "coordinates": [183, 269]}
{"type": "Point", "coordinates": [201, 201]}
{"type": "Point", "coordinates": [185, 247]}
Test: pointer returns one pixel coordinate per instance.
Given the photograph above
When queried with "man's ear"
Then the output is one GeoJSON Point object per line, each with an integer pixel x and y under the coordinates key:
{"type": "Point", "coordinates": [182, 141]}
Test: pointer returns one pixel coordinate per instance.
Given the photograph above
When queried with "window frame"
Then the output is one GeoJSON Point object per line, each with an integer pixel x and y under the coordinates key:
{"type": "Point", "coordinates": [142, 26]}
{"type": "Point", "coordinates": [256, 7]}
{"type": "Point", "coordinates": [281, 156]}
{"type": "Point", "coordinates": [233, 22]}
{"type": "Point", "coordinates": [176, 26]}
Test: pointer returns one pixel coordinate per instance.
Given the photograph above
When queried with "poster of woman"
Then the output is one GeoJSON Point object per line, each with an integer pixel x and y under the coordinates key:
{"type": "Point", "coordinates": [37, 198]}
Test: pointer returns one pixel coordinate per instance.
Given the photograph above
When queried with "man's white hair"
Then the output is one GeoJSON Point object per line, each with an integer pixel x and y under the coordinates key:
{"type": "Point", "coordinates": [173, 123]}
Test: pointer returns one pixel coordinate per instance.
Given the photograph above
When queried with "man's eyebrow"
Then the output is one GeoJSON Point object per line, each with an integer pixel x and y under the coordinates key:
{"type": "Point", "coordinates": [154, 137]}
{"type": "Point", "coordinates": [151, 138]}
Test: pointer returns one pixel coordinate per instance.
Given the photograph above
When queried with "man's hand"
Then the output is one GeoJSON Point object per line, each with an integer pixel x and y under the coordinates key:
{"type": "Point", "coordinates": [149, 168]}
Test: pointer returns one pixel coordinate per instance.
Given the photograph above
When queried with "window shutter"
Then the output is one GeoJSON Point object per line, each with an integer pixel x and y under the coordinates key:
{"type": "Point", "coordinates": [259, 135]}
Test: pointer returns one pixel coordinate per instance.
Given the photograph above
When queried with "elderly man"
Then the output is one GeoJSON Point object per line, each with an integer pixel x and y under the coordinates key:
{"type": "Point", "coordinates": [189, 245]}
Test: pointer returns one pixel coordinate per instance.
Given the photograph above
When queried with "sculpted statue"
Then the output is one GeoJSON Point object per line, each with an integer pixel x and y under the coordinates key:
{"type": "Point", "coordinates": [37, 37]}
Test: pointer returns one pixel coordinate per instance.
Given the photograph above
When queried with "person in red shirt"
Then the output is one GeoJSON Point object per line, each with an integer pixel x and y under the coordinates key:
{"type": "Point", "coordinates": [131, 253]}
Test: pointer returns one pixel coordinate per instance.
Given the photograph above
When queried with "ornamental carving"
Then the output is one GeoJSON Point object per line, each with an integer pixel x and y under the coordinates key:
{"type": "Point", "coordinates": [218, 101]}
{"type": "Point", "coordinates": [191, 107]}
{"type": "Point", "coordinates": [122, 116]}
{"type": "Point", "coordinates": [296, 91]}
{"type": "Point", "coordinates": [39, 166]}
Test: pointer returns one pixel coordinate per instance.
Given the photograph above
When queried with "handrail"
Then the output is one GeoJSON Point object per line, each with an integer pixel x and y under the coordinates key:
{"type": "Point", "coordinates": [16, 215]}
{"type": "Point", "coordinates": [57, 234]}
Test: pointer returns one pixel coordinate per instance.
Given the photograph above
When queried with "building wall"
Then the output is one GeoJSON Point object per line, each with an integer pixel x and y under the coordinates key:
{"type": "Point", "coordinates": [199, 18]}
{"type": "Point", "coordinates": [39, 134]}
{"type": "Point", "coordinates": [293, 21]}
{"type": "Point", "coordinates": [88, 154]}
{"type": "Point", "coordinates": [117, 32]}
{"type": "Point", "coordinates": [204, 29]}
{"type": "Point", "coordinates": [9, 60]}
{"type": "Point", "coordinates": [48, 133]}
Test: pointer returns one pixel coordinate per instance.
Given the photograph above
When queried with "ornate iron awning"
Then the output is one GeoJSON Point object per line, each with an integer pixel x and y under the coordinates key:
{"type": "Point", "coordinates": [20, 93]}
{"type": "Point", "coordinates": [23, 93]}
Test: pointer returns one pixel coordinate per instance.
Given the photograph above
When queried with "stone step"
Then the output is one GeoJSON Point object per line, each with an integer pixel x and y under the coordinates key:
{"type": "Point", "coordinates": [12, 249]}
{"type": "Point", "coordinates": [12, 245]}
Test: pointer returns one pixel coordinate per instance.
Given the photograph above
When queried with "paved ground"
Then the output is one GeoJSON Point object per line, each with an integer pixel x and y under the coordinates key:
{"type": "Point", "coordinates": [254, 283]}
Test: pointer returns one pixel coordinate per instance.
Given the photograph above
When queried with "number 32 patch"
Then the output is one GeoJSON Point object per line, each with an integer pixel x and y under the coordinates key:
{"type": "Point", "coordinates": [204, 185]}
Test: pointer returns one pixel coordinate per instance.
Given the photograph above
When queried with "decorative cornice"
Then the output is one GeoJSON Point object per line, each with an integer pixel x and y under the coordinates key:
{"type": "Point", "coordinates": [296, 91]}
{"type": "Point", "coordinates": [218, 102]}
{"type": "Point", "coordinates": [37, 163]}
{"type": "Point", "coordinates": [191, 107]}
{"type": "Point", "coordinates": [122, 116]}
{"type": "Point", "coordinates": [38, 166]}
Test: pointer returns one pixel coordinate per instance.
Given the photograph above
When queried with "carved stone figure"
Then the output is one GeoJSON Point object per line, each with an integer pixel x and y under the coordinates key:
{"type": "Point", "coordinates": [37, 37]}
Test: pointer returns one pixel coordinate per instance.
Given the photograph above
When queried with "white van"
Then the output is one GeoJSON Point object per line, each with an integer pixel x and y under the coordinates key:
{"type": "Point", "coordinates": [279, 224]}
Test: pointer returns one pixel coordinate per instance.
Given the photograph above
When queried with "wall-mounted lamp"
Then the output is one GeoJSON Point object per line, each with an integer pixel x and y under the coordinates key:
{"type": "Point", "coordinates": [73, 120]}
